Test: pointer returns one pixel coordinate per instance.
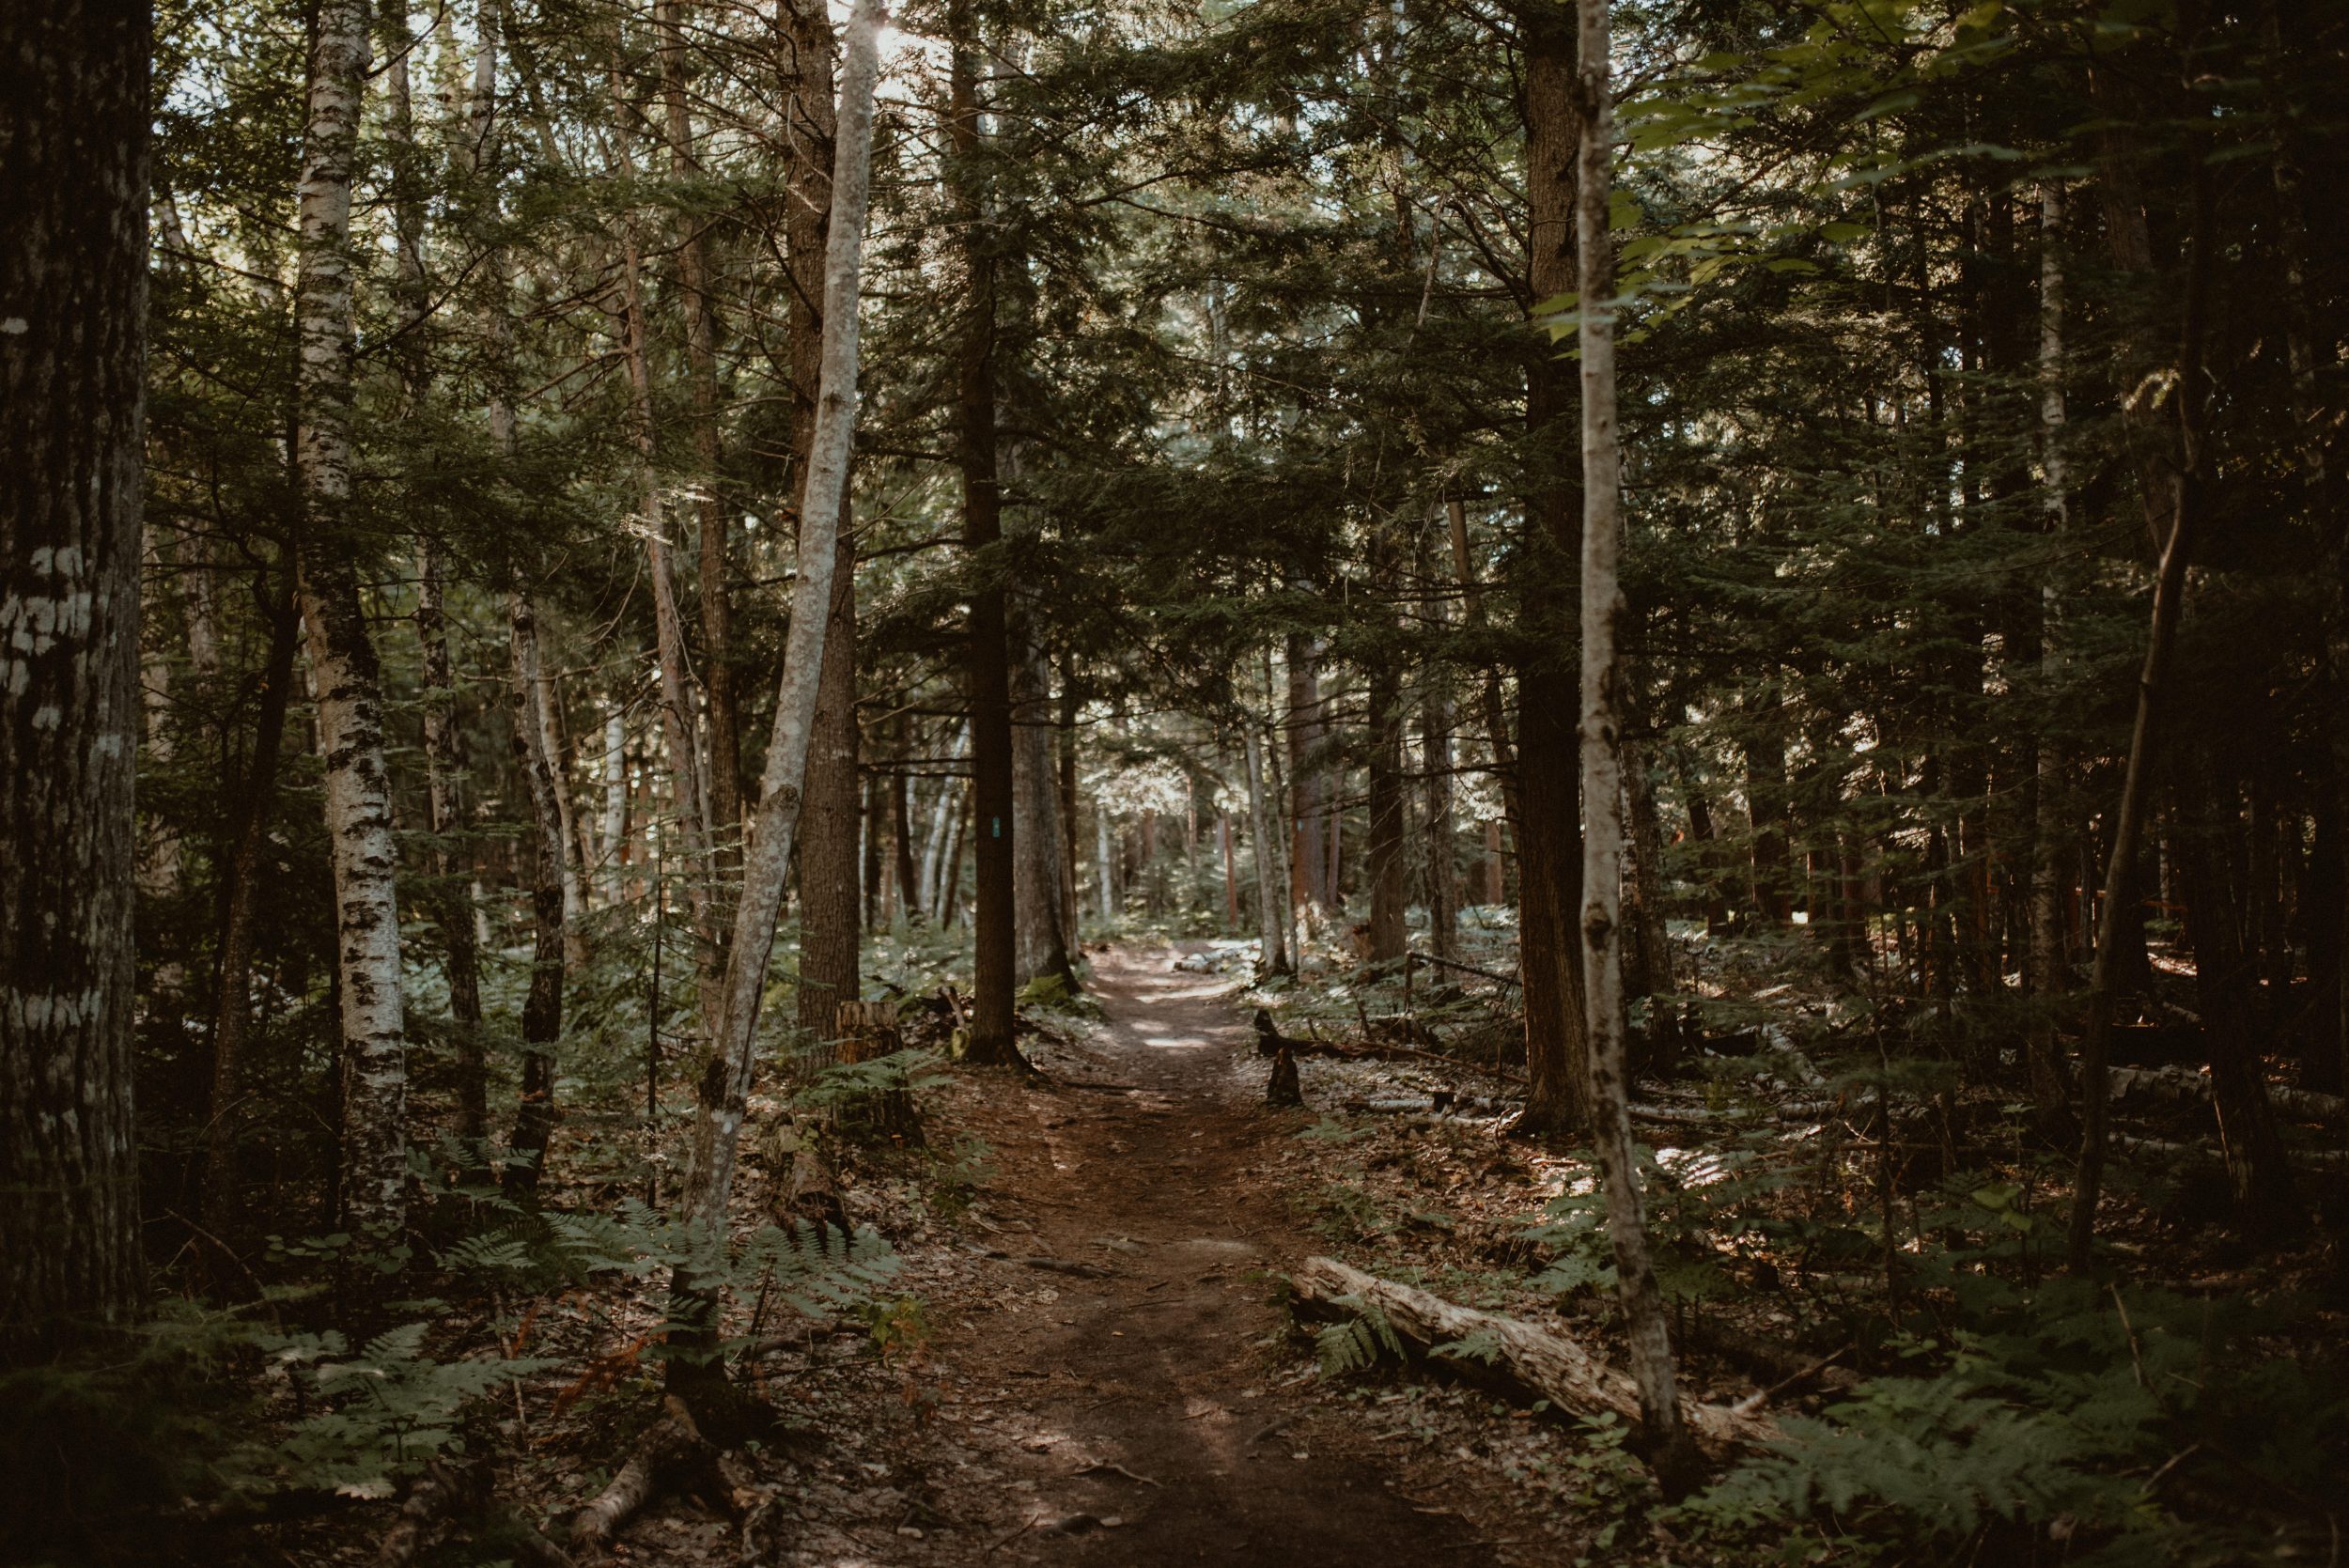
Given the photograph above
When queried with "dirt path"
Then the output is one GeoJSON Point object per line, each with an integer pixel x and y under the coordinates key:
{"type": "Point", "coordinates": [1155, 1360]}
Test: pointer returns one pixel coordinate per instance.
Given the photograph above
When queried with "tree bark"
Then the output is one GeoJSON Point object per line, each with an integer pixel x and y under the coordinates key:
{"type": "Point", "coordinates": [724, 1082]}
{"type": "Point", "coordinates": [1382, 853]}
{"type": "Point", "coordinates": [2046, 972]}
{"type": "Point", "coordinates": [232, 996]}
{"type": "Point", "coordinates": [1549, 850]}
{"type": "Point", "coordinates": [1671, 1450]}
{"type": "Point", "coordinates": [542, 1007]}
{"type": "Point", "coordinates": [901, 831]}
{"type": "Point", "coordinates": [2171, 497]}
{"type": "Point", "coordinates": [74, 183]}
{"type": "Point", "coordinates": [1310, 850]}
{"type": "Point", "coordinates": [701, 357]}
{"type": "Point", "coordinates": [831, 930]}
{"type": "Point", "coordinates": [342, 652]}
{"type": "Point", "coordinates": [1045, 937]}
{"type": "Point", "coordinates": [1265, 852]}
{"type": "Point", "coordinates": [995, 962]}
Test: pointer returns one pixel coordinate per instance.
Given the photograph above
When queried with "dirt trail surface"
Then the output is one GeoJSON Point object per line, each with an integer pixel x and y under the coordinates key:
{"type": "Point", "coordinates": [1142, 1390]}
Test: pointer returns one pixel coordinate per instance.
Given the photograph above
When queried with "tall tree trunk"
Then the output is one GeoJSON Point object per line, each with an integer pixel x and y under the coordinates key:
{"type": "Point", "coordinates": [342, 652]}
{"type": "Point", "coordinates": [612, 838]}
{"type": "Point", "coordinates": [2171, 495]}
{"type": "Point", "coordinates": [1266, 851]}
{"type": "Point", "coordinates": [723, 1084]}
{"type": "Point", "coordinates": [1310, 848]}
{"type": "Point", "coordinates": [1550, 845]}
{"type": "Point", "coordinates": [445, 898]}
{"type": "Point", "coordinates": [901, 831]}
{"type": "Point", "coordinates": [1671, 1449]}
{"type": "Point", "coordinates": [2046, 973]}
{"type": "Point", "coordinates": [1435, 739]}
{"type": "Point", "coordinates": [1649, 964]}
{"type": "Point", "coordinates": [554, 745]}
{"type": "Point", "coordinates": [1044, 935]}
{"type": "Point", "coordinates": [74, 183]}
{"type": "Point", "coordinates": [232, 994]}
{"type": "Point", "coordinates": [989, 669]}
{"type": "Point", "coordinates": [830, 931]}
{"type": "Point", "coordinates": [2227, 991]}
{"type": "Point", "coordinates": [690, 801]}
{"type": "Point", "coordinates": [542, 1008]}
{"type": "Point", "coordinates": [1382, 854]}
{"type": "Point", "coordinates": [943, 819]}
{"type": "Point", "coordinates": [701, 355]}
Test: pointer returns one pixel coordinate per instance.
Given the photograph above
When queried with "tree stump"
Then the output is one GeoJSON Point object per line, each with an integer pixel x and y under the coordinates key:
{"type": "Point", "coordinates": [1282, 1088]}
{"type": "Point", "coordinates": [868, 1030]}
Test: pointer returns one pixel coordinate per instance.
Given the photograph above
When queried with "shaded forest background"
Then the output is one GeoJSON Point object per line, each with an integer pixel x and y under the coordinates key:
{"type": "Point", "coordinates": [1209, 568]}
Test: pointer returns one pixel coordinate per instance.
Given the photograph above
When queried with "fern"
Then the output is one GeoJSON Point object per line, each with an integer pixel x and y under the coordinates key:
{"type": "Point", "coordinates": [389, 1410]}
{"type": "Point", "coordinates": [1355, 1343]}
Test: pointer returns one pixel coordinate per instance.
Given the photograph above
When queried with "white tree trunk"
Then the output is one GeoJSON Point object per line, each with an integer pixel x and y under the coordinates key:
{"type": "Point", "coordinates": [942, 829]}
{"type": "Point", "coordinates": [613, 832]}
{"type": "Point", "coordinates": [1103, 872]}
{"type": "Point", "coordinates": [2050, 1086]}
{"type": "Point", "coordinates": [342, 655]}
{"type": "Point", "coordinates": [1671, 1450]}
{"type": "Point", "coordinates": [1264, 846]}
{"type": "Point", "coordinates": [724, 1085]}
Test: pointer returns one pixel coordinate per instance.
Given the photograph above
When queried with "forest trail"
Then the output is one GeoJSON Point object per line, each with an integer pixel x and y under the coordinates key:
{"type": "Point", "coordinates": [1158, 1364]}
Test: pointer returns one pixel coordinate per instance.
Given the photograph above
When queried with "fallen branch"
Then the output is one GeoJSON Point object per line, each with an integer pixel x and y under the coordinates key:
{"type": "Point", "coordinates": [667, 1447]}
{"type": "Point", "coordinates": [2187, 1087]}
{"type": "Point", "coordinates": [1526, 1359]}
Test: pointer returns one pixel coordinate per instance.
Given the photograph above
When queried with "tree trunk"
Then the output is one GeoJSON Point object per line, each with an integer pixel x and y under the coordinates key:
{"type": "Point", "coordinates": [1104, 862]}
{"type": "Point", "coordinates": [942, 818]}
{"type": "Point", "coordinates": [994, 964]}
{"type": "Point", "coordinates": [74, 183]}
{"type": "Point", "coordinates": [1045, 937]}
{"type": "Point", "coordinates": [1549, 846]}
{"type": "Point", "coordinates": [2226, 990]}
{"type": "Point", "coordinates": [724, 1083]}
{"type": "Point", "coordinates": [1382, 855]}
{"type": "Point", "coordinates": [2046, 975]}
{"type": "Point", "coordinates": [1434, 737]}
{"type": "Point", "coordinates": [1671, 1450]}
{"type": "Point", "coordinates": [830, 931]}
{"type": "Point", "coordinates": [1310, 850]}
{"type": "Point", "coordinates": [690, 802]}
{"type": "Point", "coordinates": [701, 355]}
{"type": "Point", "coordinates": [554, 745]}
{"type": "Point", "coordinates": [542, 1008]}
{"type": "Point", "coordinates": [901, 832]}
{"type": "Point", "coordinates": [232, 996]}
{"type": "Point", "coordinates": [1265, 852]}
{"type": "Point", "coordinates": [342, 652]}
{"type": "Point", "coordinates": [2172, 501]}
{"type": "Point", "coordinates": [1650, 962]}
{"type": "Point", "coordinates": [613, 835]}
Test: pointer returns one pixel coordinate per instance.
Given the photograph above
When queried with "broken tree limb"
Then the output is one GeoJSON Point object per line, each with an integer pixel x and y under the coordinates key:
{"type": "Point", "coordinates": [668, 1447]}
{"type": "Point", "coordinates": [1532, 1361]}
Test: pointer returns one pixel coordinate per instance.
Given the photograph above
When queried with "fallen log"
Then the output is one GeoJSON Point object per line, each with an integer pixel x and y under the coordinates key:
{"type": "Point", "coordinates": [1527, 1360]}
{"type": "Point", "coordinates": [669, 1447]}
{"type": "Point", "coordinates": [2184, 1086]}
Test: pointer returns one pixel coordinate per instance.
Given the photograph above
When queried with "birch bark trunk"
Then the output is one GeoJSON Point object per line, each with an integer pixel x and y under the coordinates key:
{"type": "Point", "coordinates": [2050, 1087]}
{"type": "Point", "coordinates": [1264, 849]}
{"type": "Point", "coordinates": [723, 1084]}
{"type": "Point", "coordinates": [1671, 1450]}
{"type": "Point", "coordinates": [73, 261]}
{"type": "Point", "coordinates": [342, 652]}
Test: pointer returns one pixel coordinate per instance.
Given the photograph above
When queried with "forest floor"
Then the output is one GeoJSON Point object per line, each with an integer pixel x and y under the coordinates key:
{"type": "Point", "coordinates": [1120, 1385]}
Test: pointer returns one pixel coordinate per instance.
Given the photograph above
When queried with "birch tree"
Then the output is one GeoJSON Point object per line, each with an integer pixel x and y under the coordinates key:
{"type": "Point", "coordinates": [341, 649]}
{"type": "Point", "coordinates": [724, 1083]}
{"type": "Point", "coordinates": [1671, 1450]}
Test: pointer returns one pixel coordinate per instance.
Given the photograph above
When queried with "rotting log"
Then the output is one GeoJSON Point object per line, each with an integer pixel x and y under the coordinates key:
{"type": "Point", "coordinates": [1531, 1362]}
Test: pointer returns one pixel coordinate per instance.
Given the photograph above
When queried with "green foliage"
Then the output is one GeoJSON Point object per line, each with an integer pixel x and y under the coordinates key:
{"type": "Point", "coordinates": [1355, 1342]}
{"type": "Point", "coordinates": [388, 1410]}
{"type": "Point", "coordinates": [2060, 1408]}
{"type": "Point", "coordinates": [845, 1085]}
